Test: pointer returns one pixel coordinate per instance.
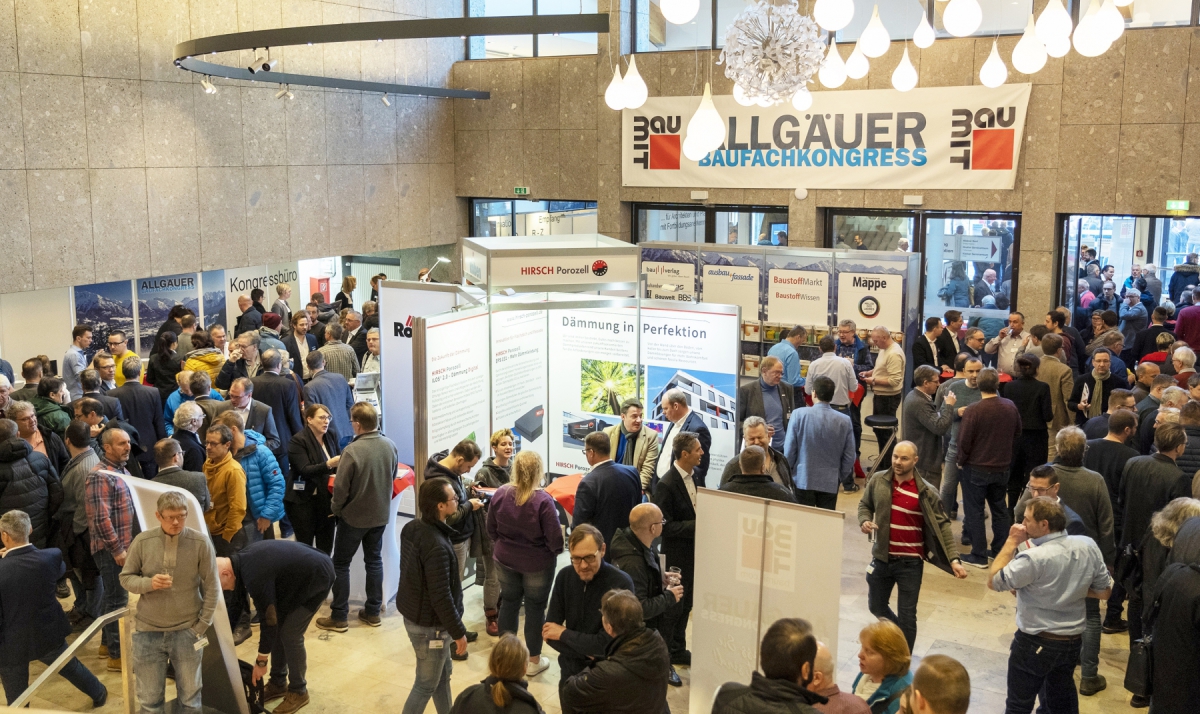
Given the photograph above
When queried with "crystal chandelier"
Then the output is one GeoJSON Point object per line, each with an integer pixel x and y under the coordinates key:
{"type": "Point", "coordinates": [772, 51]}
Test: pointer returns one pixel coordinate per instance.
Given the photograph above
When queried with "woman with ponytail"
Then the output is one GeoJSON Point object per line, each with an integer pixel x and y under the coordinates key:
{"type": "Point", "coordinates": [504, 689]}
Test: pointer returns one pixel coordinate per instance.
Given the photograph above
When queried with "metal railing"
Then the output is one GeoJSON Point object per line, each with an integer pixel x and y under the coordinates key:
{"type": "Point", "coordinates": [122, 616]}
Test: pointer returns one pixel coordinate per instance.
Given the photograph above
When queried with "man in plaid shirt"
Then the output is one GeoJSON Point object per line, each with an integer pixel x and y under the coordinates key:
{"type": "Point", "coordinates": [112, 525]}
{"type": "Point", "coordinates": [339, 356]}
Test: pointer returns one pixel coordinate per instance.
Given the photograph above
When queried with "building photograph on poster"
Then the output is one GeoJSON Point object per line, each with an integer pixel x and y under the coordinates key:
{"type": "Point", "coordinates": [107, 307]}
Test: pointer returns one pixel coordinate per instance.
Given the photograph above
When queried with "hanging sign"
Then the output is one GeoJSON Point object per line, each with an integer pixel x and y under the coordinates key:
{"type": "Point", "coordinates": [933, 138]}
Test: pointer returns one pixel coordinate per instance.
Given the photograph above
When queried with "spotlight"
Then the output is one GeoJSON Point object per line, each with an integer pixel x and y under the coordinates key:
{"type": "Point", "coordinates": [209, 87]}
{"type": "Point", "coordinates": [254, 64]}
{"type": "Point", "coordinates": [385, 101]}
{"type": "Point", "coordinates": [268, 65]}
{"type": "Point", "coordinates": [284, 92]}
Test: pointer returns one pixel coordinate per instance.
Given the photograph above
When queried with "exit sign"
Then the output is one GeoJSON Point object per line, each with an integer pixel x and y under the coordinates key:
{"type": "Point", "coordinates": [1178, 205]}
{"type": "Point", "coordinates": [524, 191]}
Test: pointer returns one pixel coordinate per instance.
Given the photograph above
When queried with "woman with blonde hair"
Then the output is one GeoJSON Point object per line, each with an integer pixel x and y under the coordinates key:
{"type": "Point", "coordinates": [1154, 555]}
{"type": "Point", "coordinates": [883, 661]}
{"type": "Point", "coordinates": [345, 297]}
{"type": "Point", "coordinates": [504, 689]}
{"type": "Point", "coordinates": [492, 473]}
{"type": "Point", "coordinates": [523, 524]}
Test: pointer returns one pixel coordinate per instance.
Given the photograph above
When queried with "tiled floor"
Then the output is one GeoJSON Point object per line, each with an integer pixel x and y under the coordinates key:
{"type": "Point", "coordinates": [368, 670]}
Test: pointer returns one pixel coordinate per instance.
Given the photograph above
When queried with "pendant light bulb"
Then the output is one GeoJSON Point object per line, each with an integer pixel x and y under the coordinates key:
{"type": "Point", "coordinates": [857, 65]}
{"type": "Point", "coordinates": [833, 15]}
{"type": "Point", "coordinates": [739, 96]}
{"type": "Point", "coordinates": [706, 128]}
{"type": "Point", "coordinates": [962, 18]}
{"type": "Point", "coordinates": [993, 73]}
{"type": "Point", "coordinates": [633, 86]}
{"type": "Point", "coordinates": [1053, 25]}
{"type": "Point", "coordinates": [1059, 47]}
{"type": "Point", "coordinates": [1111, 21]}
{"type": "Point", "coordinates": [875, 40]}
{"type": "Point", "coordinates": [614, 96]}
{"type": "Point", "coordinates": [679, 12]}
{"type": "Point", "coordinates": [1029, 55]}
{"type": "Point", "coordinates": [693, 149]}
{"type": "Point", "coordinates": [764, 102]}
{"type": "Point", "coordinates": [924, 35]}
{"type": "Point", "coordinates": [833, 70]}
{"type": "Point", "coordinates": [904, 77]}
{"type": "Point", "coordinates": [1089, 39]}
{"type": "Point", "coordinates": [802, 99]}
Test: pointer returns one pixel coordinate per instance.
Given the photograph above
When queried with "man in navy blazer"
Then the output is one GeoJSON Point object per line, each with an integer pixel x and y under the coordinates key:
{"type": "Point", "coordinates": [676, 410]}
{"type": "Point", "coordinates": [608, 492]}
{"type": "Point", "coordinates": [143, 410]}
{"type": "Point", "coordinates": [300, 333]}
{"type": "Point", "coordinates": [32, 622]}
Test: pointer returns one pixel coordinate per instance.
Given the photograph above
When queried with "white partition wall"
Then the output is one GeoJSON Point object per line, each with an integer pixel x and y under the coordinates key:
{"type": "Point", "coordinates": [762, 560]}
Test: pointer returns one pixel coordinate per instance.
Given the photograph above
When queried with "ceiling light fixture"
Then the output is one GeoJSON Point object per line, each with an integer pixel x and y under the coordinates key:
{"type": "Point", "coordinates": [209, 87]}
{"type": "Point", "coordinates": [385, 101]}
{"type": "Point", "coordinates": [993, 73]}
{"type": "Point", "coordinates": [924, 35]}
{"type": "Point", "coordinates": [834, 15]}
{"type": "Point", "coordinates": [962, 18]}
{"type": "Point", "coordinates": [833, 71]}
{"type": "Point", "coordinates": [857, 64]}
{"type": "Point", "coordinates": [284, 91]}
{"type": "Point", "coordinates": [875, 40]}
{"type": "Point", "coordinates": [1054, 25]}
{"type": "Point", "coordinates": [705, 130]}
{"type": "Point", "coordinates": [802, 99]}
{"type": "Point", "coordinates": [904, 77]}
{"type": "Point", "coordinates": [679, 12]}
{"type": "Point", "coordinates": [1029, 55]}
{"type": "Point", "coordinates": [614, 96]}
{"type": "Point", "coordinates": [256, 62]}
{"type": "Point", "coordinates": [633, 86]}
{"type": "Point", "coordinates": [772, 50]}
{"type": "Point", "coordinates": [268, 65]}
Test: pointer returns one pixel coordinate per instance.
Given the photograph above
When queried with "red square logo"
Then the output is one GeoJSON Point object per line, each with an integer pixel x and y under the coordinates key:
{"type": "Point", "coordinates": [664, 151]}
{"type": "Point", "coordinates": [992, 149]}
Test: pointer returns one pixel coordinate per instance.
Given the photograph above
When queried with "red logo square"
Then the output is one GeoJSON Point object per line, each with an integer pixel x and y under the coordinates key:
{"type": "Point", "coordinates": [992, 149]}
{"type": "Point", "coordinates": [664, 151]}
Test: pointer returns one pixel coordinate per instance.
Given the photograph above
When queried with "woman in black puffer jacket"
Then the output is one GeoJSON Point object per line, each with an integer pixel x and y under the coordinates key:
{"type": "Point", "coordinates": [27, 483]}
{"type": "Point", "coordinates": [503, 692]}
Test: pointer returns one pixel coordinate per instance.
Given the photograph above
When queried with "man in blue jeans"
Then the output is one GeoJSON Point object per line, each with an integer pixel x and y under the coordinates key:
{"type": "Point", "coordinates": [362, 498]}
{"type": "Point", "coordinates": [1052, 580]}
{"type": "Point", "coordinates": [112, 524]}
{"type": "Point", "coordinates": [430, 596]}
{"type": "Point", "coordinates": [986, 438]}
{"type": "Point", "coordinates": [32, 623]}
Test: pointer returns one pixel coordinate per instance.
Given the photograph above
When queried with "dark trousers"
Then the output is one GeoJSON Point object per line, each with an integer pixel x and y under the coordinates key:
{"type": "Point", "coordinates": [886, 405]}
{"type": "Point", "coordinates": [982, 487]}
{"type": "Point", "coordinates": [114, 598]}
{"type": "Point", "coordinates": [675, 619]}
{"type": "Point", "coordinates": [1031, 451]}
{"type": "Point", "coordinates": [818, 499]}
{"type": "Point", "coordinates": [532, 589]}
{"type": "Point", "coordinates": [1039, 667]}
{"type": "Point", "coordinates": [289, 659]}
{"type": "Point", "coordinates": [855, 421]}
{"type": "Point", "coordinates": [1116, 602]}
{"type": "Point", "coordinates": [904, 574]}
{"type": "Point", "coordinates": [344, 547]}
{"type": "Point", "coordinates": [15, 677]}
{"type": "Point", "coordinates": [313, 523]}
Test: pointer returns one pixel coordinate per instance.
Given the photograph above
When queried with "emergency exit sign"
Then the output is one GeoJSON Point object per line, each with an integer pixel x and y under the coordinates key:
{"type": "Point", "coordinates": [1178, 205]}
{"type": "Point", "coordinates": [524, 191]}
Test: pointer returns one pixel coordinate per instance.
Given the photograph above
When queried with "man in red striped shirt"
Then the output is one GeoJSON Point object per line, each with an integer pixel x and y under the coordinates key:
{"type": "Point", "coordinates": [897, 507]}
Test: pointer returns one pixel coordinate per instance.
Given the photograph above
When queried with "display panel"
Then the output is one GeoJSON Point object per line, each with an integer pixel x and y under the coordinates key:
{"type": "Point", "coordinates": [519, 368]}
{"type": "Point", "coordinates": [156, 296]}
{"type": "Point", "coordinates": [457, 362]}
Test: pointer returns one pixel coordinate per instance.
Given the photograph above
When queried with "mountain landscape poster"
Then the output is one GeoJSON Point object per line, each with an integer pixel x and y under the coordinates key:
{"type": "Point", "coordinates": [107, 307]}
{"type": "Point", "coordinates": [213, 282]}
{"type": "Point", "coordinates": [156, 296]}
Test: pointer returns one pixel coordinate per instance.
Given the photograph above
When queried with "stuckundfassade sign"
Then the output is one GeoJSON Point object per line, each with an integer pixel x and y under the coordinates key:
{"type": "Point", "coordinates": [935, 138]}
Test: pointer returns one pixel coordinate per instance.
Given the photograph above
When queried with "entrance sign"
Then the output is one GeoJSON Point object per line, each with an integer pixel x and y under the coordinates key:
{"type": "Point", "coordinates": [929, 138]}
{"type": "Point", "coordinates": [984, 249]}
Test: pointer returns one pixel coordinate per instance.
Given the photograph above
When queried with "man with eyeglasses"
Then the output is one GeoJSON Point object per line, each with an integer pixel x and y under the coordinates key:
{"type": "Point", "coordinates": [172, 569]}
{"type": "Point", "coordinates": [118, 347]}
{"type": "Point", "coordinates": [573, 625]}
{"type": "Point", "coordinates": [226, 489]}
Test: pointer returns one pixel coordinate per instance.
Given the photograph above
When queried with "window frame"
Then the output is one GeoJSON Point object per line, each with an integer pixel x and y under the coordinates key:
{"type": "Point", "coordinates": [512, 212]}
{"type": "Point", "coordinates": [536, 50]}
{"type": "Point", "coordinates": [710, 212]}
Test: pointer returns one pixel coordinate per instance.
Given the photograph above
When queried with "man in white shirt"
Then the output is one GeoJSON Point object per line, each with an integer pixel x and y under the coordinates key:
{"type": "Point", "coordinates": [886, 380]}
{"type": "Point", "coordinates": [839, 370]}
{"type": "Point", "coordinates": [1009, 344]}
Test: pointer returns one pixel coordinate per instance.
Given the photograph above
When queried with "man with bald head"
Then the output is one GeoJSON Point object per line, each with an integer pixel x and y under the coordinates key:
{"type": "Point", "coordinates": [633, 552]}
{"type": "Point", "coordinates": [898, 508]}
{"type": "Point", "coordinates": [824, 682]}
{"type": "Point", "coordinates": [251, 318]}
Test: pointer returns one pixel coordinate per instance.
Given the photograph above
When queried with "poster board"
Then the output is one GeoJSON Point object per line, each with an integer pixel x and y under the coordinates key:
{"type": "Point", "coordinates": [519, 378]}
{"type": "Point", "coordinates": [757, 569]}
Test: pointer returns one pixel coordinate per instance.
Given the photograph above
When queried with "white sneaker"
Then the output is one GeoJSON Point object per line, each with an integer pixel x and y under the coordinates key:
{"type": "Point", "coordinates": [533, 669]}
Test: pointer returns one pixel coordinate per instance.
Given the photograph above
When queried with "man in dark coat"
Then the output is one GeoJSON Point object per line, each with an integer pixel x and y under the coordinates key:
{"type": "Point", "coordinates": [255, 415]}
{"type": "Point", "coordinates": [251, 318]}
{"type": "Point", "coordinates": [608, 492]}
{"type": "Point", "coordinates": [776, 466]}
{"type": "Point", "coordinates": [633, 551]}
{"type": "Point", "coordinates": [332, 390]}
{"type": "Point", "coordinates": [1146, 340]}
{"type": "Point", "coordinates": [573, 626]}
{"type": "Point", "coordinates": [143, 410]}
{"type": "Point", "coordinates": [32, 622]}
{"type": "Point", "coordinates": [300, 334]}
{"type": "Point", "coordinates": [27, 483]}
{"type": "Point", "coordinates": [676, 410]}
{"type": "Point", "coordinates": [768, 397]}
{"type": "Point", "coordinates": [282, 395]}
{"type": "Point", "coordinates": [926, 422]}
{"type": "Point", "coordinates": [676, 498]}
{"type": "Point", "coordinates": [787, 655]}
{"type": "Point", "coordinates": [89, 379]}
{"type": "Point", "coordinates": [632, 678]}
{"type": "Point", "coordinates": [1177, 640]}
{"type": "Point", "coordinates": [1099, 384]}
{"type": "Point", "coordinates": [751, 481]}
{"type": "Point", "coordinates": [925, 347]}
{"type": "Point", "coordinates": [1185, 274]}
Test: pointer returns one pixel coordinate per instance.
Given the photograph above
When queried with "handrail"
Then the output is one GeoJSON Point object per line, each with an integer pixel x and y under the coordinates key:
{"type": "Point", "coordinates": [68, 654]}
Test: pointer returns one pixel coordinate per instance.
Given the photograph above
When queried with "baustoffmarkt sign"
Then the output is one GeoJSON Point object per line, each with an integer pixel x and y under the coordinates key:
{"type": "Point", "coordinates": [936, 138]}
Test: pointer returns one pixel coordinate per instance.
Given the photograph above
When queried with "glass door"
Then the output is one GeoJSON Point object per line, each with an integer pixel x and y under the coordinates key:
{"type": "Point", "coordinates": [971, 265]}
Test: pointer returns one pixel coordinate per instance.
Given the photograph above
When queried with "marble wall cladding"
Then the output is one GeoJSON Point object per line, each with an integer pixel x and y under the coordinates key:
{"type": "Point", "coordinates": [115, 164]}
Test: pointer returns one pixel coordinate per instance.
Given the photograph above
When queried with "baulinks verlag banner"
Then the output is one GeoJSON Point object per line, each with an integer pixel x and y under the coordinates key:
{"type": "Point", "coordinates": [936, 138]}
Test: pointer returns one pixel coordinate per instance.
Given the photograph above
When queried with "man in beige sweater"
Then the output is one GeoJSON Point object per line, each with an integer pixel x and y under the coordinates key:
{"type": "Point", "coordinates": [885, 381]}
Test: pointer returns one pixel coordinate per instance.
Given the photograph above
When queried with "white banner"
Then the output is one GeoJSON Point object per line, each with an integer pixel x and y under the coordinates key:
{"type": "Point", "coordinates": [732, 285]}
{"type": "Point", "coordinates": [241, 281]}
{"type": "Point", "coordinates": [564, 269]}
{"type": "Point", "coordinates": [397, 308]}
{"type": "Point", "coordinates": [871, 299]}
{"type": "Point", "coordinates": [670, 281]}
{"type": "Point", "coordinates": [799, 297]}
{"type": "Point", "coordinates": [931, 138]}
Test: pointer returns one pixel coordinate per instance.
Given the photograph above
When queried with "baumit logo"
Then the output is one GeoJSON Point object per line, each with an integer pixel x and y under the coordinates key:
{"type": "Point", "coordinates": [984, 136]}
{"type": "Point", "coordinates": [402, 330]}
{"type": "Point", "coordinates": [656, 142]}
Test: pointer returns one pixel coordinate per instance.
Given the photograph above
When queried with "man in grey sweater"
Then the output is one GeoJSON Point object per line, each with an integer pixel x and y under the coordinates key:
{"type": "Point", "coordinates": [168, 454]}
{"type": "Point", "coordinates": [174, 571]}
{"type": "Point", "coordinates": [80, 568]}
{"type": "Point", "coordinates": [926, 422]}
{"type": "Point", "coordinates": [362, 497]}
{"type": "Point", "coordinates": [1086, 493]}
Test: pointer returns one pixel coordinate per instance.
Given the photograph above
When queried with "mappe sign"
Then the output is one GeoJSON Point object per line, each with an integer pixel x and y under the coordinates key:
{"type": "Point", "coordinates": [944, 137]}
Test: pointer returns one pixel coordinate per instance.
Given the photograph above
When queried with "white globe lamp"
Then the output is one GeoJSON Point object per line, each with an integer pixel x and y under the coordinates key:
{"type": "Point", "coordinates": [962, 18]}
{"type": "Point", "coordinates": [993, 73]}
{"type": "Point", "coordinates": [706, 129]}
{"type": "Point", "coordinates": [833, 70]}
{"type": "Point", "coordinates": [904, 77]}
{"type": "Point", "coordinates": [614, 96]}
{"type": "Point", "coordinates": [924, 35]}
{"type": "Point", "coordinates": [739, 96]}
{"type": "Point", "coordinates": [802, 99]}
{"type": "Point", "coordinates": [857, 65]}
{"type": "Point", "coordinates": [679, 12]}
{"type": "Point", "coordinates": [633, 86]}
{"type": "Point", "coordinates": [1111, 21]}
{"type": "Point", "coordinates": [874, 41]}
{"type": "Point", "coordinates": [833, 15]}
{"type": "Point", "coordinates": [1029, 56]}
{"type": "Point", "coordinates": [1054, 25]}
